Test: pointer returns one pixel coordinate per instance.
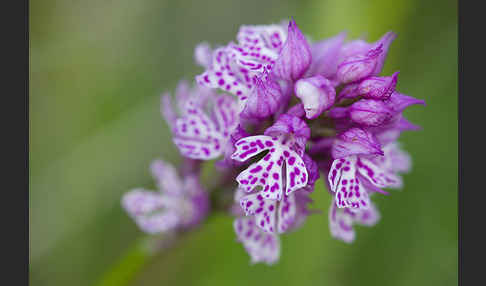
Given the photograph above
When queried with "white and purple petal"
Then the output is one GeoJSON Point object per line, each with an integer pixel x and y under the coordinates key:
{"type": "Point", "coordinates": [349, 192]}
{"type": "Point", "coordinates": [166, 176]}
{"type": "Point", "coordinates": [268, 173]}
{"type": "Point", "coordinates": [261, 246]}
{"type": "Point", "coordinates": [341, 221]}
{"type": "Point", "coordinates": [377, 174]}
{"type": "Point", "coordinates": [152, 212]}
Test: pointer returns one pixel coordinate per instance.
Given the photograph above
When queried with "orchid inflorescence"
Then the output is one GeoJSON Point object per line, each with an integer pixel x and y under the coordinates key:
{"type": "Point", "coordinates": [277, 111]}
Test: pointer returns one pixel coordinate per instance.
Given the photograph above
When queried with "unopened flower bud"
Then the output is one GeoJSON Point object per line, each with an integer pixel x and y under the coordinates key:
{"type": "Point", "coordinates": [358, 67]}
{"type": "Point", "coordinates": [378, 87]}
{"type": "Point", "coordinates": [370, 112]}
{"type": "Point", "coordinates": [355, 141]}
{"type": "Point", "coordinates": [295, 57]}
{"type": "Point", "coordinates": [264, 100]}
{"type": "Point", "coordinates": [316, 94]}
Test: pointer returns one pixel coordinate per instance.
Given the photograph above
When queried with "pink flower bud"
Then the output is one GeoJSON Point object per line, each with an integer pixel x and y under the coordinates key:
{"type": "Point", "coordinates": [295, 57]}
{"type": "Point", "coordinates": [316, 94]}
{"type": "Point", "coordinates": [358, 67]}
{"type": "Point", "coordinates": [264, 100]}
{"type": "Point", "coordinates": [378, 87]}
{"type": "Point", "coordinates": [355, 141]}
{"type": "Point", "coordinates": [370, 112]}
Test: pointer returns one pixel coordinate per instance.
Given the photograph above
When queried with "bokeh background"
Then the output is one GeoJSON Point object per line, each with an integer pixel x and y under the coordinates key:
{"type": "Point", "coordinates": [97, 68]}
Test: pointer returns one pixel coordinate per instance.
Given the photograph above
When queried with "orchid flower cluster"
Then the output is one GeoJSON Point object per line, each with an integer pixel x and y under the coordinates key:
{"type": "Point", "coordinates": [276, 111]}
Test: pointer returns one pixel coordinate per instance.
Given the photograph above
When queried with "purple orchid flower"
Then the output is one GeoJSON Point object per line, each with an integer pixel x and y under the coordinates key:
{"type": "Point", "coordinates": [341, 220]}
{"type": "Point", "coordinates": [199, 134]}
{"type": "Point", "coordinates": [344, 121]}
{"type": "Point", "coordinates": [179, 204]}
{"type": "Point", "coordinates": [284, 142]}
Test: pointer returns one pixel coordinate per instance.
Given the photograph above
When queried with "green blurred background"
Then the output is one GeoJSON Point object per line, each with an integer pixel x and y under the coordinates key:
{"type": "Point", "coordinates": [97, 70]}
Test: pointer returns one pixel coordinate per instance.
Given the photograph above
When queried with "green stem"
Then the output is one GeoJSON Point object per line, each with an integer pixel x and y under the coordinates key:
{"type": "Point", "coordinates": [129, 265]}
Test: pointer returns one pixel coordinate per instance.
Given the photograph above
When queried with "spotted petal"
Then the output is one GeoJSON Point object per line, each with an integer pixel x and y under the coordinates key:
{"type": "Point", "coordinates": [268, 173]}
{"type": "Point", "coordinates": [287, 212]}
{"type": "Point", "coordinates": [196, 135]}
{"type": "Point", "coordinates": [261, 246]}
{"type": "Point", "coordinates": [225, 74]}
{"type": "Point", "coordinates": [377, 174]}
{"type": "Point", "coordinates": [226, 113]}
{"type": "Point", "coordinates": [263, 210]}
{"type": "Point", "coordinates": [152, 212]}
{"type": "Point", "coordinates": [344, 182]}
{"type": "Point", "coordinates": [167, 178]}
{"type": "Point", "coordinates": [341, 221]}
{"type": "Point", "coordinates": [200, 137]}
{"type": "Point", "coordinates": [340, 224]}
{"type": "Point", "coordinates": [258, 46]}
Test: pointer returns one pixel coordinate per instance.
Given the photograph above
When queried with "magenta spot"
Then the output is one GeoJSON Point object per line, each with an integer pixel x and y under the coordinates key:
{"type": "Point", "coordinates": [292, 180]}
{"type": "Point", "coordinates": [269, 166]}
{"type": "Point", "coordinates": [243, 155]}
{"type": "Point", "coordinates": [291, 161]}
{"type": "Point", "coordinates": [256, 169]}
{"type": "Point", "coordinates": [297, 171]}
{"type": "Point", "coordinates": [275, 176]}
{"type": "Point", "coordinates": [286, 153]}
{"type": "Point", "coordinates": [269, 143]}
{"type": "Point", "coordinates": [259, 143]}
